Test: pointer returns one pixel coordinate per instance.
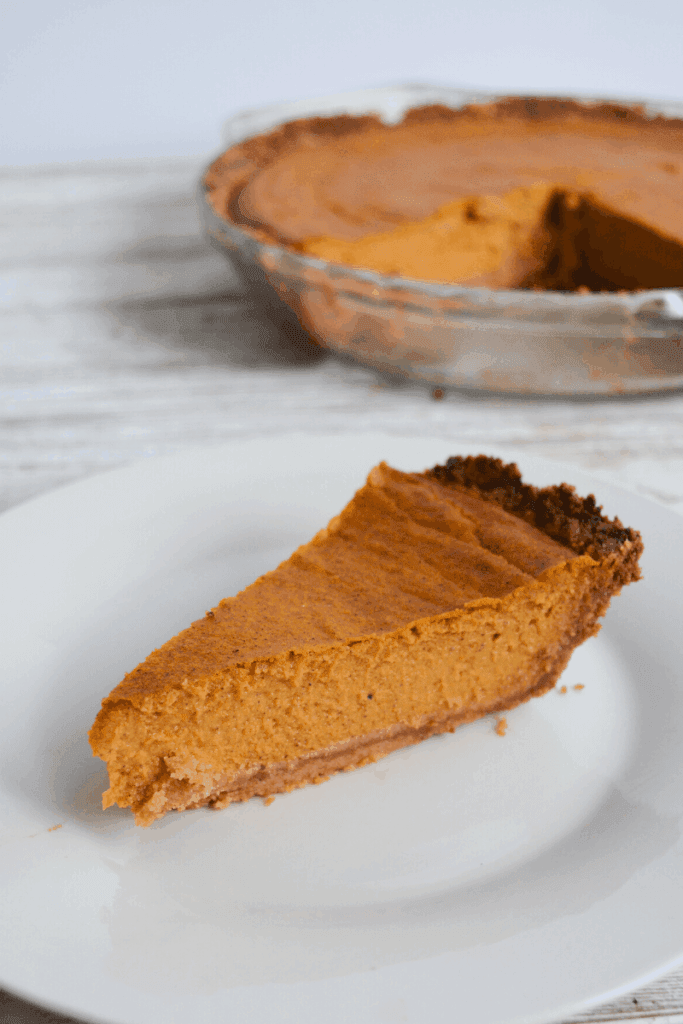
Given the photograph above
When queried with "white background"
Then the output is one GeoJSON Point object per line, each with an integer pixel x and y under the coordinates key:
{"type": "Point", "coordinates": [90, 79]}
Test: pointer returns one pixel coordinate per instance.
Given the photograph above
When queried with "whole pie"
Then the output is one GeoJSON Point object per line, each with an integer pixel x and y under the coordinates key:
{"type": "Point", "coordinates": [432, 599]}
{"type": "Point", "coordinates": [520, 193]}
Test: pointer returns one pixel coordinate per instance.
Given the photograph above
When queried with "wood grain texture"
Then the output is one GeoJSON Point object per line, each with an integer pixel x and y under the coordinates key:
{"type": "Point", "coordinates": [124, 336]}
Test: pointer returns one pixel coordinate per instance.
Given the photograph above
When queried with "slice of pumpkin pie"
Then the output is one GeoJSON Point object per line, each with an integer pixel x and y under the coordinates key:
{"type": "Point", "coordinates": [432, 599]}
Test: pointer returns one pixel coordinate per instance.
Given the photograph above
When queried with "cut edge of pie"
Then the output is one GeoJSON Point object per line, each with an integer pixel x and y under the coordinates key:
{"type": "Point", "coordinates": [166, 738]}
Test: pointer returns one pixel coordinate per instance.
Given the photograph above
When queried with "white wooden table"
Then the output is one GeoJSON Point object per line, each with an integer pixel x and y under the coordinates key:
{"type": "Point", "coordinates": [124, 336]}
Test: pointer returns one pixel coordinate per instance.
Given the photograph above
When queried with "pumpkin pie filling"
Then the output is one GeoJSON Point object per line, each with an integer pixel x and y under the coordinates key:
{"type": "Point", "coordinates": [546, 194]}
{"type": "Point", "coordinates": [432, 599]}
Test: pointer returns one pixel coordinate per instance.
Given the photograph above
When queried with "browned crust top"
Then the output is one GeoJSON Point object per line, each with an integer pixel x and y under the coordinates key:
{"type": "Point", "coordinates": [542, 108]}
{"type": "Point", "coordinates": [558, 511]}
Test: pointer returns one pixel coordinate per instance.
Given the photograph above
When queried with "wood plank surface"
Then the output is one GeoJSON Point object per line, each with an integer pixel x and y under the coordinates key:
{"type": "Point", "coordinates": [125, 336]}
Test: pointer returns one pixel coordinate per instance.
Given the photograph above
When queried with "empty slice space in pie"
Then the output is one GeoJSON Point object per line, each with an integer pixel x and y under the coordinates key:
{"type": "Point", "coordinates": [540, 237]}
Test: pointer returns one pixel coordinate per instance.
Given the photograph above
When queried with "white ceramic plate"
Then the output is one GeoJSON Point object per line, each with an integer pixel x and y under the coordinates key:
{"type": "Point", "coordinates": [474, 878]}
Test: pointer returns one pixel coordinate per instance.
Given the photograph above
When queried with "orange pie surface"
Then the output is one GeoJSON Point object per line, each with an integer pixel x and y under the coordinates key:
{"type": "Point", "coordinates": [521, 193]}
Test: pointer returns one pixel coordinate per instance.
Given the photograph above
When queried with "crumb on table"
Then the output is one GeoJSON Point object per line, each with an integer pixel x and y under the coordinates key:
{"type": "Point", "coordinates": [501, 726]}
{"type": "Point", "coordinates": [563, 689]}
{"type": "Point", "coordinates": [579, 686]}
{"type": "Point", "coordinates": [267, 800]}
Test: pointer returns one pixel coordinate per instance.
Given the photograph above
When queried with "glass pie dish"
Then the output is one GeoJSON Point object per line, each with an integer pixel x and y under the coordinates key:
{"type": "Point", "coordinates": [515, 341]}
